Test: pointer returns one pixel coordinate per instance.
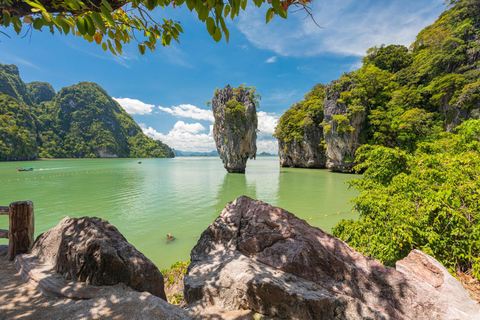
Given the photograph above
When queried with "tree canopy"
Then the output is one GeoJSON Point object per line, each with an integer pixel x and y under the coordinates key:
{"type": "Point", "coordinates": [112, 23]}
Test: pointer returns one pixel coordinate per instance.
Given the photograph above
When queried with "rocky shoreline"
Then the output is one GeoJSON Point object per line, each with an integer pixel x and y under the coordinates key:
{"type": "Point", "coordinates": [255, 261]}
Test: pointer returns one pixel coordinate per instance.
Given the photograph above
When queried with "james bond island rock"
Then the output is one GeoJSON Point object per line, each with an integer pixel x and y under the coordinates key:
{"type": "Point", "coordinates": [342, 125]}
{"type": "Point", "coordinates": [259, 257]}
{"type": "Point", "coordinates": [300, 132]}
{"type": "Point", "coordinates": [235, 127]}
{"type": "Point", "coordinates": [93, 251]}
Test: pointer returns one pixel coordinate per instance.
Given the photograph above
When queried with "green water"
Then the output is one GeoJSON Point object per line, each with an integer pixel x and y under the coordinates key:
{"type": "Point", "coordinates": [181, 196]}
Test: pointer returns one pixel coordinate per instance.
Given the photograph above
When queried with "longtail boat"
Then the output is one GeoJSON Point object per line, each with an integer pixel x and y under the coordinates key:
{"type": "Point", "coordinates": [25, 169]}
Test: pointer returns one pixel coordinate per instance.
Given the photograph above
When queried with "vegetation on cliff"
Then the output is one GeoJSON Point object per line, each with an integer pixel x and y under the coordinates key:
{"type": "Point", "coordinates": [292, 123]}
{"type": "Point", "coordinates": [79, 121]}
{"type": "Point", "coordinates": [427, 200]}
{"type": "Point", "coordinates": [420, 189]}
{"type": "Point", "coordinates": [235, 126]}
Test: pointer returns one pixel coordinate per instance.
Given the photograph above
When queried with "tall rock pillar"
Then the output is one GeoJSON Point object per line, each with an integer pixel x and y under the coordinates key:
{"type": "Point", "coordinates": [235, 127]}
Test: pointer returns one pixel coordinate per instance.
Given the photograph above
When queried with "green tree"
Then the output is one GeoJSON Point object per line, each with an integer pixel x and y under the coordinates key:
{"type": "Point", "coordinates": [428, 200]}
{"type": "Point", "coordinates": [112, 23]}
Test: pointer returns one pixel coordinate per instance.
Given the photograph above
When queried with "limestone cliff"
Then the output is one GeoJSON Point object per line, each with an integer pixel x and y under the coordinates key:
{"type": "Point", "coordinates": [300, 132]}
{"type": "Point", "coordinates": [235, 127]}
{"type": "Point", "coordinates": [342, 126]}
{"type": "Point", "coordinates": [305, 153]}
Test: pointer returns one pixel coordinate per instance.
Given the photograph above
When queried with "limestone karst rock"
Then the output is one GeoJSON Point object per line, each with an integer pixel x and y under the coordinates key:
{"type": "Point", "coordinates": [259, 257]}
{"type": "Point", "coordinates": [306, 153]}
{"type": "Point", "coordinates": [342, 127]}
{"type": "Point", "coordinates": [93, 251]}
{"type": "Point", "coordinates": [235, 127]}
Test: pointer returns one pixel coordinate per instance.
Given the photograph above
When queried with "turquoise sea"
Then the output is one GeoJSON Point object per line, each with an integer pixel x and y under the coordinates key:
{"type": "Point", "coordinates": [181, 196]}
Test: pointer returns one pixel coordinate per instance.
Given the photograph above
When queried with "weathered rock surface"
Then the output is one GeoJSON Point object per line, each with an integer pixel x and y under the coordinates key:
{"type": "Point", "coordinates": [256, 256]}
{"type": "Point", "coordinates": [307, 153]}
{"type": "Point", "coordinates": [93, 251]}
{"type": "Point", "coordinates": [235, 127]}
{"type": "Point", "coordinates": [341, 144]}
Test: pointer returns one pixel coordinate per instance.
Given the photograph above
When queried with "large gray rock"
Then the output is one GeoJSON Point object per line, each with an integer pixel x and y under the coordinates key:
{"type": "Point", "coordinates": [235, 127]}
{"type": "Point", "coordinates": [341, 144]}
{"type": "Point", "coordinates": [256, 256]}
{"type": "Point", "coordinates": [307, 153]}
{"type": "Point", "coordinates": [93, 251]}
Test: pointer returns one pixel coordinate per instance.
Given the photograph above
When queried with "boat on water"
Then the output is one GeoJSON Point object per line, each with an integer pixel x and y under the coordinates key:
{"type": "Point", "coordinates": [139, 162]}
{"type": "Point", "coordinates": [25, 169]}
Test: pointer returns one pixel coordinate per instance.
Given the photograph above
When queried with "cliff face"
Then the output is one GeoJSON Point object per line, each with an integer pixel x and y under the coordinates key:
{"type": "Point", "coordinates": [235, 127]}
{"type": "Point", "coordinates": [342, 127]}
{"type": "Point", "coordinates": [300, 132]}
{"type": "Point", "coordinates": [304, 153]}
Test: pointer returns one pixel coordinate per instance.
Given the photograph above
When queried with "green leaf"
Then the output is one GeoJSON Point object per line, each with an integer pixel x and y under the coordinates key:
{"type": "Point", "coordinates": [225, 30]}
{"type": "Point", "coordinates": [6, 19]}
{"type": "Point", "coordinates": [107, 15]}
{"type": "Point", "coordinates": [243, 4]}
{"type": "Point", "coordinates": [46, 16]}
{"type": "Point", "coordinates": [107, 5]}
{"type": "Point", "coordinates": [89, 26]}
{"type": "Point", "coordinates": [211, 26]}
{"type": "Point", "coordinates": [226, 11]}
{"type": "Point", "coordinates": [97, 18]}
{"type": "Point", "coordinates": [36, 5]}
{"type": "Point", "coordinates": [190, 5]}
{"type": "Point", "coordinates": [104, 46]}
{"type": "Point", "coordinates": [37, 24]}
{"type": "Point", "coordinates": [179, 27]}
{"type": "Point", "coordinates": [217, 36]}
{"type": "Point", "coordinates": [270, 14]}
{"type": "Point", "coordinates": [203, 13]}
{"type": "Point", "coordinates": [211, 3]}
{"type": "Point", "coordinates": [80, 22]}
{"type": "Point", "coordinates": [141, 48]}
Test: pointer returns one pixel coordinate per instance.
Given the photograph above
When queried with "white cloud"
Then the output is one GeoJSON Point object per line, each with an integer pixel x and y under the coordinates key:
{"type": "Point", "coordinates": [181, 126]}
{"type": "Point", "coordinates": [271, 59]}
{"type": "Point", "coordinates": [266, 125]}
{"type": "Point", "coordinates": [194, 137]}
{"type": "Point", "coordinates": [189, 111]}
{"type": "Point", "coordinates": [348, 27]}
{"type": "Point", "coordinates": [185, 137]}
{"type": "Point", "coordinates": [134, 106]}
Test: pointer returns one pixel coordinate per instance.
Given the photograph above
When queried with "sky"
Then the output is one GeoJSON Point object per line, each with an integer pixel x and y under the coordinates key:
{"type": "Point", "coordinates": [166, 90]}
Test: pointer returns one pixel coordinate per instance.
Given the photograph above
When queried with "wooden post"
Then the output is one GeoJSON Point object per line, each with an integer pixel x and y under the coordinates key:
{"type": "Point", "coordinates": [21, 227]}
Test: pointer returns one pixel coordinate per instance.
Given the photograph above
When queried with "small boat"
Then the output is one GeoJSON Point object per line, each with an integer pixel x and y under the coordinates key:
{"type": "Point", "coordinates": [25, 169]}
{"type": "Point", "coordinates": [139, 162]}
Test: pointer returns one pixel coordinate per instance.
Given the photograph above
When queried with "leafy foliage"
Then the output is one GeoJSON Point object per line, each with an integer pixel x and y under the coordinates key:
{"type": "Point", "coordinates": [428, 200]}
{"type": "Point", "coordinates": [112, 23]}
{"type": "Point", "coordinates": [291, 125]}
{"type": "Point", "coordinates": [80, 121]}
{"type": "Point", "coordinates": [17, 130]}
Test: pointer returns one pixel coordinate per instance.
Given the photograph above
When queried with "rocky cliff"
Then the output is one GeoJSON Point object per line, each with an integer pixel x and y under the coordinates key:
{"type": "Point", "coordinates": [304, 153]}
{"type": "Point", "coordinates": [300, 132]}
{"type": "Point", "coordinates": [342, 126]}
{"type": "Point", "coordinates": [235, 127]}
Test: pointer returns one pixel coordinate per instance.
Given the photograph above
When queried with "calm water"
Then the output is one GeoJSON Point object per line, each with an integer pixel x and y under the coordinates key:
{"type": "Point", "coordinates": [181, 196]}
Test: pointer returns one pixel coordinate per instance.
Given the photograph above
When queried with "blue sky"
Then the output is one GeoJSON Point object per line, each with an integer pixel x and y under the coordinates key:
{"type": "Point", "coordinates": [166, 90]}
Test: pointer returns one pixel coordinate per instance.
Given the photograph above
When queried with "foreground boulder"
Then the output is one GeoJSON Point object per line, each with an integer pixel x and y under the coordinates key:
{"type": "Point", "coordinates": [93, 251]}
{"type": "Point", "coordinates": [256, 256]}
{"type": "Point", "coordinates": [235, 127]}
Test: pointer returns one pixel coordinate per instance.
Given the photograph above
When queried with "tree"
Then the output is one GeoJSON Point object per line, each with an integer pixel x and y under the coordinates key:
{"type": "Point", "coordinates": [111, 23]}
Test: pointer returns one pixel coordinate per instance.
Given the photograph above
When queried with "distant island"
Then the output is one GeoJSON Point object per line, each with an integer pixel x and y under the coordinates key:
{"type": "Point", "coordinates": [179, 153]}
{"type": "Point", "coordinates": [80, 121]}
